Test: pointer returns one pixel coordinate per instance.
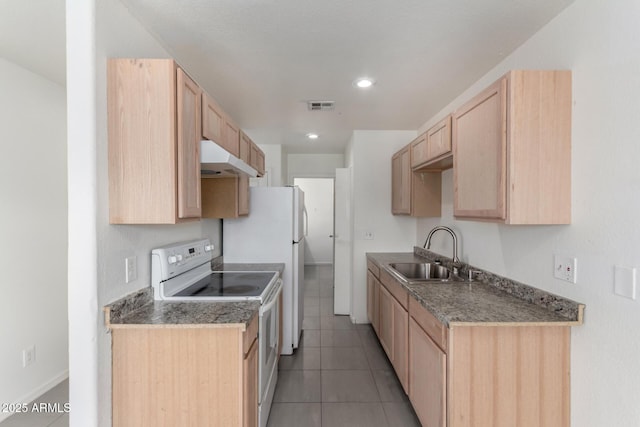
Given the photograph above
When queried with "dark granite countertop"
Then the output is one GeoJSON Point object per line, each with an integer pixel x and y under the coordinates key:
{"type": "Point", "coordinates": [139, 309]}
{"type": "Point", "coordinates": [490, 300]}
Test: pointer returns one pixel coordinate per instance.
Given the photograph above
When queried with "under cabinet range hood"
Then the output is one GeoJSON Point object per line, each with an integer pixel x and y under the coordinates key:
{"type": "Point", "coordinates": [215, 161]}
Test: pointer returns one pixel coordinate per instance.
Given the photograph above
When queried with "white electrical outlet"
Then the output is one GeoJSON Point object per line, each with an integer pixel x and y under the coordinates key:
{"type": "Point", "coordinates": [131, 269]}
{"type": "Point", "coordinates": [565, 268]}
{"type": "Point", "coordinates": [28, 356]}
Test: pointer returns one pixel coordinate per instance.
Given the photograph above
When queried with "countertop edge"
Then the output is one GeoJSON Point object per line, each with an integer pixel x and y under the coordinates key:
{"type": "Point", "coordinates": [563, 319]}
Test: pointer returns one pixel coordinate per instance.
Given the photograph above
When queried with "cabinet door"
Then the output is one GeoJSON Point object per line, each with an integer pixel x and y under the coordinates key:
{"type": "Point", "coordinates": [401, 182]}
{"type": "Point", "coordinates": [212, 120]}
{"type": "Point", "coordinates": [250, 392]}
{"type": "Point", "coordinates": [419, 153]}
{"type": "Point", "coordinates": [427, 378]}
{"type": "Point", "coordinates": [479, 144]}
{"type": "Point", "coordinates": [439, 139]}
{"type": "Point", "coordinates": [243, 195]}
{"type": "Point", "coordinates": [257, 159]}
{"type": "Point", "coordinates": [401, 343]}
{"type": "Point", "coordinates": [386, 322]}
{"type": "Point", "coordinates": [188, 99]}
{"type": "Point", "coordinates": [231, 137]}
{"type": "Point", "coordinates": [245, 148]}
{"type": "Point", "coordinates": [373, 300]}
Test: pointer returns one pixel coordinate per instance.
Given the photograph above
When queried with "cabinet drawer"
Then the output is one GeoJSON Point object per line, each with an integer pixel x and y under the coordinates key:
{"type": "Point", "coordinates": [373, 267]}
{"type": "Point", "coordinates": [427, 321]}
{"type": "Point", "coordinates": [250, 334]}
{"type": "Point", "coordinates": [395, 289]}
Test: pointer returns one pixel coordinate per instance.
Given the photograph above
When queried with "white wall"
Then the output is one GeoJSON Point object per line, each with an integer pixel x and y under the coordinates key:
{"type": "Point", "coordinates": [97, 30]}
{"type": "Point", "coordinates": [313, 165]}
{"type": "Point", "coordinates": [370, 156]}
{"type": "Point", "coordinates": [318, 201]}
{"type": "Point", "coordinates": [598, 41]}
{"type": "Point", "coordinates": [33, 226]}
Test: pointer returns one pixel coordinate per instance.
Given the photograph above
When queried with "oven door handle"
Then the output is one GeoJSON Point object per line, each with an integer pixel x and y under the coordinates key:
{"type": "Point", "coordinates": [273, 300]}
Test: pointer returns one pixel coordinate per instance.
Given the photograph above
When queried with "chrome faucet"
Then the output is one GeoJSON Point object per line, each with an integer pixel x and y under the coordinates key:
{"type": "Point", "coordinates": [427, 243]}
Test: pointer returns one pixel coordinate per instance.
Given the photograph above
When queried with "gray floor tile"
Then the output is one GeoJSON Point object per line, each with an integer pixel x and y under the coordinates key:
{"type": "Point", "coordinates": [349, 386]}
{"type": "Point", "coordinates": [354, 415]}
{"type": "Point", "coordinates": [302, 358]}
{"type": "Point", "coordinates": [310, 338]}
{"type": "Point", "coordinates": [312, 310]}
{"type": "Point", "coordinates": [63, 421]}
{"type": "Point", "coordinates": [326, 306]}
{"type": "Point", "coordinates": [389, 386]}
{"type": "Point", "coordinates": [377, 358]}
{"type": "Point", "coordinates": [340, 338]}
{"type": "Point", "coordinates": [313, 291]}
{"type": "Point", "coordinates": [368, 337]}
{"type": "Point", "coordinates": [298, 386]}
{"type": "Point", "coordinates": [311, 301]}
{"type": "Point", "coordinates": [363, 326]}
{"type": "Point", "coordinates": [326, 291]}
{"type": "Point", "coordinates": [336, 322]}
{"type": "Point", "coordinates": [400, 414]}
{"type": "Point", "coordinates": [58, 395]}
{"type": "Point", "coordinates": [343, 358]}
{"type": "Point", "coordinates": [295, 415]}
{"type": "Point", "coordinates": [311, 322]}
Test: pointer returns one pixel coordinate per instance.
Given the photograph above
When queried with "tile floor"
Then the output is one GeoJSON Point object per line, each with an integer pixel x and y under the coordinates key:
{"type": "Point", "coordinates": [340, 376]}
{"type": "Point", "coordinates": [58, 395]}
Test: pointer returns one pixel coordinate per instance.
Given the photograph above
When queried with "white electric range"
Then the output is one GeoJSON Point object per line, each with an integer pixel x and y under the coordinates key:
{"type": "Point", "coordinates": [181, 272]}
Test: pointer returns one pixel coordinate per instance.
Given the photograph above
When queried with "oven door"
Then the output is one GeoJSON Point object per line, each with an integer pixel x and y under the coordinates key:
{"type": "Point", "coordinates": [269, 339]}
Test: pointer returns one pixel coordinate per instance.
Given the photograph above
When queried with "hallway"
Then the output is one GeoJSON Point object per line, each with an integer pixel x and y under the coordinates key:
{"type": "Point", "coordinates": [340, 375]}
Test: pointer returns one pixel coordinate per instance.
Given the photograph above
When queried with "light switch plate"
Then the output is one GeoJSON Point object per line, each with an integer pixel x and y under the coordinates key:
{"type": "Point", "coordinates": [625, 282]}
{"type": "Point", "coordinates": [565, 268]}
{"type": "Point", "coordinates": [131, 269]}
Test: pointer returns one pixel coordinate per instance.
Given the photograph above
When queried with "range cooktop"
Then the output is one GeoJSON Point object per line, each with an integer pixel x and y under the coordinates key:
{"type": "Point", "coordinates": [229, 284]}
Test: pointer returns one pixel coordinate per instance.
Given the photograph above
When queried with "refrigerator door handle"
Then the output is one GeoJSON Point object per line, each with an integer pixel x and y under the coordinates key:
{"type": "Point", "coordinates": [306, 221]}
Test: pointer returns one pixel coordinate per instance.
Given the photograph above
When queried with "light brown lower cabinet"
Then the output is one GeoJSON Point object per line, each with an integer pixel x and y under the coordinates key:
{"type": "Point", "coordinates": [471, 375]}
{"type": "Point", "coordinates": [185, 376]}
{"type": "Point", "coordinates": [427, 378]}
{"type": "Point", "coordinates": [373, 300]}
{"type": "Point", "coordinates": [483, 375]}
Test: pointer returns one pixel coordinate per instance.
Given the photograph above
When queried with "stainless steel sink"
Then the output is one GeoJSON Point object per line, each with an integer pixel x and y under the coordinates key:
{"type": "Point", "coordinates": [423, 271]}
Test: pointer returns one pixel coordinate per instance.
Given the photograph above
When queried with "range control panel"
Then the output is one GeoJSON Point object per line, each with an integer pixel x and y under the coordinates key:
{"type": "Point", "coordinates": [171, 260]}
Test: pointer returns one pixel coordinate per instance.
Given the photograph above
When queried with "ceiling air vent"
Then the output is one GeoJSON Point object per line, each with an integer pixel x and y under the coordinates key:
{"type": "Point", "coordinates": [320, 105]}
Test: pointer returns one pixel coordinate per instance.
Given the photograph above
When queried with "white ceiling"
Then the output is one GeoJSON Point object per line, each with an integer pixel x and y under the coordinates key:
{"type": "Point", "coordinates": [263, 59]}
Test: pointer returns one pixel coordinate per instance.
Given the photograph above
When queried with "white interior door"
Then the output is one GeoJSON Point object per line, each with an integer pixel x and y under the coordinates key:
{"type": "Point", "coordinates": [318, 200]}
{"type": "Point", "coordinates": [342, 242]}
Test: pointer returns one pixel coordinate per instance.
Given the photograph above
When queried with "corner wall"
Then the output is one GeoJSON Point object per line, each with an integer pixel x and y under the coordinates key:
{"type": "Point", "coordinates": [369, 153]}
{"type": "Point", "coordinates": [96, 272]}
{"type": "Point", "coordinates": [33, 226]}
{"type": "Point", "coordinates": [598, 41]}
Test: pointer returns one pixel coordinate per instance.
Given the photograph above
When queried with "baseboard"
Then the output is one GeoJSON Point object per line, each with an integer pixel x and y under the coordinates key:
{"type": "Point", "coordinates": [34, 394]}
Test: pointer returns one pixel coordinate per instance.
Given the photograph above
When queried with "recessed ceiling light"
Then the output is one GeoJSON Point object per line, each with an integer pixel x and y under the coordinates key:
{"type": "Point", "coordinates": [364, 82]}
{"type": "Point", "coordinates": [312, 135]}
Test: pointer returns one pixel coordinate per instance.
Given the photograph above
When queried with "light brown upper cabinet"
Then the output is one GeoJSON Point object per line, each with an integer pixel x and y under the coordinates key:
{"type": "Point", "coordinates": [218, 127]}
{"type": "Point", "coordinates": [245, 148]}
{"type": "Point", "coordinates": [413, 193]}
{"type": "Point", "coordinates": [432, 149]}
{"type": "Point", "coordinates": [154, 114]}
{"type": "Point", "coordinates": [257, 159]}
{"type": "Point", "coordinates": [512, 150]}
{"type": "Point", "coordinates": [251, 153]}
{"type": "Point", "coordinates": [225, 197]}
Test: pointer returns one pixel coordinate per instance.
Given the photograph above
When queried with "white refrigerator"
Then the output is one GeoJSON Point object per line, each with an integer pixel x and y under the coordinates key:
{"type": "Point", "coordinates": [273, 232]}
